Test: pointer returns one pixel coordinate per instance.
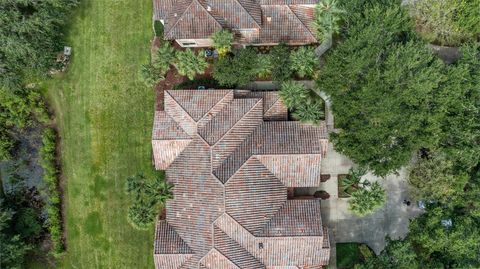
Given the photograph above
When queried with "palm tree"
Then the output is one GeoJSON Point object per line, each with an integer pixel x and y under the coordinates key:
{"type": "Point", "coordinates": [327, 19]}
{"type": "Point", "coordinates": [189, 64]}
{"type": "Point", "coordinates": [367, 200]}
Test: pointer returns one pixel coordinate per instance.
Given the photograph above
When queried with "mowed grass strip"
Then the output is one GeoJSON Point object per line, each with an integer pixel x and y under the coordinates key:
{"type": "Point", "coordinates": [104, 115]}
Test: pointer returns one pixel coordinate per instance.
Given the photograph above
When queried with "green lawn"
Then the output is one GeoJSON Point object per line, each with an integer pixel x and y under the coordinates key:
{"type": "Point", "coordinates": [347, 255]}
{"type": "Point", "coordinates": [104, 115]}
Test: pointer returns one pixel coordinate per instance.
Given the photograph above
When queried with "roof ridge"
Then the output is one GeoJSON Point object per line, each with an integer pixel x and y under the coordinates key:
{"type": "Point", "coordinates": [225, 96]}
{"type": "Point", "coordinates": [185, 11]}
{"type": "Point", "coordinates": [298, 18]}
{"type": "Point", "coordinates": [259, 26]}
{"type": "Point", "coordinates": [260, 100]}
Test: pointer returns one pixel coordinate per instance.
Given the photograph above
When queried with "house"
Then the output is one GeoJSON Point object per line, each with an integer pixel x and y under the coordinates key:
{"type": "Point", "coordinates": [232, 156]}
{"type": "Point", "coordinates": [255, 22]}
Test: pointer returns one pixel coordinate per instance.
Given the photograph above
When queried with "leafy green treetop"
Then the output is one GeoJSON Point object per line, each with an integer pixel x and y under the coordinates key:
{"type": "Point", "coordinates": [222, 41]}
{"type": "Point", "coordinates": [367, 199]}
{"type": "Point", "coordinates": [189, 64]}
{"type": "Point", "coordinates": [281, 65]}
{"type": "Point", "coordinates": [327, 19]}
{"type": "Point", "coordinates": [148, 196]}
{"type": "Point", "coordinates": [305, 105]}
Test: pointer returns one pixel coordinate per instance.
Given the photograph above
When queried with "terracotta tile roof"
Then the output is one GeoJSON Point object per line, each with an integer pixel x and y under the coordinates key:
{"type": "Point", "coordinates": [295, 218]}
{"type": "Point", "coordinates": [254, 21]}
{"type": "Point", "coordinates": [230, 207]}
{"type": "Point", "coordinates": [166, 128]}
{"type": "Point", "coordinates": [294, 170]}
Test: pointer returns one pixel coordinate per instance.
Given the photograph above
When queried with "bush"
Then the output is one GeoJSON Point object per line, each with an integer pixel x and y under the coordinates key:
{"type": "Point", "coordinates": [222, 41]}
{"type": "Point", "coordinates": [50, 178]}
{"type": "Point", "coordinates": [158, 28]}
{"type": "Point", "coordinates": [264, 65]}
{"type": "Point", "coordinates": [149, 195]}
{"type": "Point", "coordinates": [237, 70]}
{"type": "Point", "coordinates": [281, 66]}
{"type": "Point", "coordinates": [190, 64]}
{"type": "Point", "coordinates": [304, 62]}
{"type": "Point", "coordinates": [367, 199]}
{"type": "Point", "coordinates": [447, 22]}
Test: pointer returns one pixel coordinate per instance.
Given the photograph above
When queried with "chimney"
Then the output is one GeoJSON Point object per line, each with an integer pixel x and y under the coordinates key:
{"type": "Point", "coordinates": [269, 19]}
{"type": "Point", "coordinates": [209, 8]}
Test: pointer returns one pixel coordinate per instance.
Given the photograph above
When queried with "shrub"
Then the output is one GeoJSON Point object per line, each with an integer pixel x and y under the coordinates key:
{"type": "Point", "coordinates": [222, 41]}
{"type": "Point", "coordinates": [237, 70]}
{"type": "Point", "coordinates": [190, 64]}
{"type": "Point", "coordinates": [327, 19]}
{"type": "Point", "coordinates": [367, 199]}
{"type": "Point", "coordinates": [304, 62]}
{"type": "Point", "coordinates": [149, 195]}
{"type": "Point", "coordinates": [264, 65]}
{"type": "Point", "coordinates": [158, 28]}
{"type": "Point", "coordinates": [280, 59]}
{"type": "Point", "coordinates": [50, 178]}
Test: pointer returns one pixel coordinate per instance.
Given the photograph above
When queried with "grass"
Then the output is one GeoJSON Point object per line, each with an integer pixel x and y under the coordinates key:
{"type": "Point", "coordinates": [104, 115]}
{"type": "Point", "coordinates": [347, 255]}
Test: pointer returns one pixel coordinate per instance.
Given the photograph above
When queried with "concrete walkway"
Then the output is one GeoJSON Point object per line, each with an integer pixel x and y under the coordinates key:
{"type": "Point", "coordinates": [392, 220]}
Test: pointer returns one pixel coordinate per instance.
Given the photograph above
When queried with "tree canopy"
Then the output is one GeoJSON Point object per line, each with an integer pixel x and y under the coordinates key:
{"type": "Point", "coordinates": [189, 63]}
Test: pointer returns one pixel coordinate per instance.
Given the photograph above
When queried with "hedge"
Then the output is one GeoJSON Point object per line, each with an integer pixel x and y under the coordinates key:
{"type": "Point", "coordinates": [50, 179]}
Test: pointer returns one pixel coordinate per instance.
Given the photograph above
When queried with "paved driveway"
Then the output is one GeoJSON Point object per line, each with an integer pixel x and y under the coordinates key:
{"type": "Point", "coordinates": [392, 220]}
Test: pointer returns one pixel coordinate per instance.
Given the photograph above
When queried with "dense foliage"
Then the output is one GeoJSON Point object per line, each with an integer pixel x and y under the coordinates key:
{"type": "Point", "coordinates": [189, 63]}
{"type": "Point", "coordinates": [238, 69]}
{"type": "Point", "coordinates": [382, 91]}
{"type": "Point", "coordinates": [302, 102]}
{"type": "Point", "coordinates": [280, 61]}
{"type": "Point", "coordinates": [304, 62]}
{"type": "Point", "coordinates": [222, 41]}
{"type": "Point", "coordinates": [50, 179]}
{"type": "Point", "coordinates": [149, 195]}
{"type": "Point", "coordinates": [155, 71]}
{"type": "Point", "coordinates": [264, 65]}
{"type": "Point", "coordinates": [447, 22]}
{"type": "Point", "coordinates": [29, 38]}
{"type": "Point", "coordinates": [327, 19]}
{"type": "Point", "coordinates": [21, 223]}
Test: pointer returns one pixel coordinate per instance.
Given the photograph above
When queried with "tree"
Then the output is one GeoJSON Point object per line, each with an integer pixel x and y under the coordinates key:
{"type": "Point", "coordinates": [304, 62]}
{"type": "Point", "coordinates": [222, 41]}
{"type": "Point", "coordinates": [190, 64]}
{"type": "Point", "coordinates": [434, 178]}
{"type": "Point", "coordinates": [293, 93]}
{"type": "Point", "coordinates": [155, 71]}
{"type": "Point", "coordinates": [398, 254]}
{"type": "Point", "coordinates": [12, 246]}
{"type": "Point", "coordinates": [459, 102]}
{"type": "Point", "coordinates": [148, 196]}
{"type": "Point", "coordinates": [446, 238]}
{"type": "Point", "coordinates": [302, 102]}
{"type": "Point", "coordinates": [30, 37]}
{"type": "Point", "coordinates": [447, 22]}
{"type": "Point", "coordinates": [237, 70]}
{"type": "Point", "coordinates": [367, 199]}
{"type": "Point", "coordinates": [312, 111]}
{"type": "Point", "coordinates": [327, 19]}
{"type": "Point", "coordinates": [383, 91]}
{"type": "Point", "coordinates": [281, 65]}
